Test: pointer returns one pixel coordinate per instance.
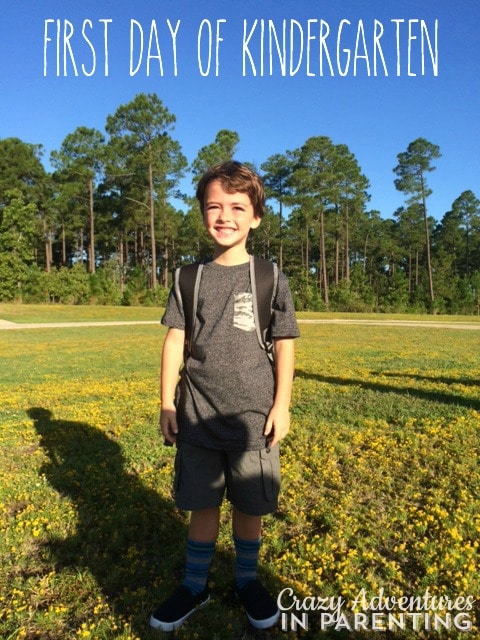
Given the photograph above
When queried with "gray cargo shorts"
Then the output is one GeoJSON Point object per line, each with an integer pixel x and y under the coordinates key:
{"type": "Point", "coordinates": [251, 479]}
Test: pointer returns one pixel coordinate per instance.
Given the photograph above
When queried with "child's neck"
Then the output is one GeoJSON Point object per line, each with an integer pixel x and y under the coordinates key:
{"type": "Point", "coordinates": [230, 257]}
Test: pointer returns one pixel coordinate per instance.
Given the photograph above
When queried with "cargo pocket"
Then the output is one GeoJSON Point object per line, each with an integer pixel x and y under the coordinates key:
{"type": "Point", "coordinates": [270, 464]}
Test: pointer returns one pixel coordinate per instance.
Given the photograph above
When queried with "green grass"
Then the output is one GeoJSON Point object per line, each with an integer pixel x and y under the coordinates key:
{"type": "Point", "coordinates": [34, 313]}
{"type": "Point", "coordinates": [380, 480]}
{"type": "Point", "coordinates": [417, 317]}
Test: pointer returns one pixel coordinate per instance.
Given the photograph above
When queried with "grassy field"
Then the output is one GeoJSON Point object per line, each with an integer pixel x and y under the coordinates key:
{"type": "Point", "coordinates": [23, 314]}
{"type": "Point", "coordinates": [381, 486]}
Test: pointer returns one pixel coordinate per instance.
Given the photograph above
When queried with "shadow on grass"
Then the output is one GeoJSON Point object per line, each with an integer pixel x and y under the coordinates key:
{"type": "Point", "coordinates": [132, 541]}
{"type": "Point", "coordinates": [463, 380]}
{"type": "Point", "coordinates": [128, 537]}
{"type": "Point", "coordinates": [431, 396]}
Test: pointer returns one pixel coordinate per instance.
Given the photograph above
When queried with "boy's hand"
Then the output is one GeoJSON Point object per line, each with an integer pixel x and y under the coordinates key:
{"type": "Point", "coordinates": [278, 421]}
{"type": "Point", "coordinates": [277, 425]}
{"type": "Point", "coordinates": [168, 425]}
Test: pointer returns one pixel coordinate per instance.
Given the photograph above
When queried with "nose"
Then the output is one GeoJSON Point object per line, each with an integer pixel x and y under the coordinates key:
{"type": "Point", "coordinates": [223, 214]}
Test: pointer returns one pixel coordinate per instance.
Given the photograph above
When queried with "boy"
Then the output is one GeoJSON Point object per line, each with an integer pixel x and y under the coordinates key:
{"type": "Point", "coordinates": [230, 409]}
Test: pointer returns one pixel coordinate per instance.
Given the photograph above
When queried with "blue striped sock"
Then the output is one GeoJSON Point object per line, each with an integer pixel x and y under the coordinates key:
{"type": "Point", "coordinates": [197, 565]}
{"type": "Point", "coordinates": [246, 560]}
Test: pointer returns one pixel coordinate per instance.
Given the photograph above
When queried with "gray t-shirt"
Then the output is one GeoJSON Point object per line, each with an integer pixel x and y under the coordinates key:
{"type": "Point", "coordinates": [226, 387]}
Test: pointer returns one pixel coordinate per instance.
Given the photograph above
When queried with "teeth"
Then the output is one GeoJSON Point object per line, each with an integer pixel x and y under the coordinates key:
{"type": "Point", "coordinates": [225, 232]}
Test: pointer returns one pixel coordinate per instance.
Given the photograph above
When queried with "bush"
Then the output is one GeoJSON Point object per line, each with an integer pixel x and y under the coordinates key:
{"type": "Point", "coordinates": [355, 295]}
{"type": "Point", "coordinates": [135, 288]}
{"type": "Point", "coordinates": [155, 297]}
{"type": "Point", "coordinates": [36, 288]}
{"type": "Point", "coordinates": [13, 275]}
{"type": "Point", "coordinates": [393, 293]}
{"type": "Point", "coordinates": [70, 286]}
{"type": "Point", "coordinates": [105, 284]}
{"type": "Point", "coordinates": [306, 296]}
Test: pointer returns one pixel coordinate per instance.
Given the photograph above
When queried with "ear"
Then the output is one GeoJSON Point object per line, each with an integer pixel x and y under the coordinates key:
{"type": "Point", "coordinates": [255, 222]}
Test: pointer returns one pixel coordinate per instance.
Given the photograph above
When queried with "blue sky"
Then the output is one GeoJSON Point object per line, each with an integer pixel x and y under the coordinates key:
{"type": "Point", "coordinates": [377, 116]}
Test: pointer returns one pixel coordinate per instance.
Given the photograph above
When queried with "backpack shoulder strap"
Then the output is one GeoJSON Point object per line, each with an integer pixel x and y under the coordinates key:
{"type": "Point", "coordinates": [264, 281]}
{"type": "Point", "coordinates": [187, 283]}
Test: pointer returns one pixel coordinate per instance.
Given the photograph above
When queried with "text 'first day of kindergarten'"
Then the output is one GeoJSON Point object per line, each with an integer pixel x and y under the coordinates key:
{"type": "Point", "coordinates": [314, 47]}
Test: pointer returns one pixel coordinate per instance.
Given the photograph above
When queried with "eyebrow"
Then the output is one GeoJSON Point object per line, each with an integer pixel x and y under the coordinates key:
{"type": "Point", "coordinates": [234, 204]}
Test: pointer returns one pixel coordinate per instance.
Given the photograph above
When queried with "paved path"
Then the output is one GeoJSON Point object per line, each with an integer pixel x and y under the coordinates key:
{"type": "Point", "coordinates": [423, 324]}
{"type": "Point", "coordinates": [5, 324]}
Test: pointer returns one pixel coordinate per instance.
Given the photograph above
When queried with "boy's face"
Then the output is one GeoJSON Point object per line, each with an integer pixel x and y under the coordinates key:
{"type": "Point", "coordinates": [228, 217]}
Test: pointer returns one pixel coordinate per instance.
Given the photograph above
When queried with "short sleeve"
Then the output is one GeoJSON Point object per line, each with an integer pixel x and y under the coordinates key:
{"type": "Point", "coordinates": [284, 322]}
{"type": "Point", "coordinates": [173, 316]}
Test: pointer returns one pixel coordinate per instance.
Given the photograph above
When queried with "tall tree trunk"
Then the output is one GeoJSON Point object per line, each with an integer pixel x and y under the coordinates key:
{"type": "Point", "coordinates": [141, 249]}
{"type": "Point", "coordinates": [323, 260]}
{"type": "Point", "coordinates": [410, 273]}
{"type": "Point", "coordinates": [280, 233]}
{"type": "Point", "coordinates": [365, 246]}
{"type": "Point", "coordinates": [337, 259]}
{"type": "Point", "coordinates": [166, 256]}
{"type": "Point", "coordinates": [467, 249]}
{"type": "Point", "coordinates": [337, 248]}
{"type": "Point", "coordinates": [81, 245]}
{"type": "Point", "coordinates": [91, 245]}
{"type": "Point", "coordinates": [153, 248]}
{"type": "Point", "coordinates": [48, 246]}
{"type": "Point", "coordinates": [307, 252]}
{"type": "Point", "coordinates": [121, 264]}
{"type": "Point", "coordinates": [50, 252]}
{"type": "Point", "coordinates": [64, 246]}
{"type": "Point", "coordinates": [427, 246]}
{"type": "Point", "coordinates": [347, 244]}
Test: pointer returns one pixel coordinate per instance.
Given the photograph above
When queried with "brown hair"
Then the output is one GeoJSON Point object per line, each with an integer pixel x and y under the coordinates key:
{"type": "Point", "coordinates": [234, 177]}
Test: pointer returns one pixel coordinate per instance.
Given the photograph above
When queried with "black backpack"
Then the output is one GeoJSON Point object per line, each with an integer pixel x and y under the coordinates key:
{"type": "Point", "coordinates": [263, 280]}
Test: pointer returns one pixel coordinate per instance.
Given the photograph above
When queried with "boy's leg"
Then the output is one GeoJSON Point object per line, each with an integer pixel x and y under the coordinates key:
{"type": "Point", "coordinates": [247, 532]}
{"type": "Point", "coordinates": [246, 526]}
{"type": "Point", "coordinates": [192, 593]}
{"type": "Point", "coordinates": [262, 610]}
{"type": "Point", "coordinates": [198, 481]}
{"type": "Point", "coordinates": [247, 540]}
{"type": "Point", "coordinates": [202, 538]}
{"type": "Point", "coordinates": [204, 524]}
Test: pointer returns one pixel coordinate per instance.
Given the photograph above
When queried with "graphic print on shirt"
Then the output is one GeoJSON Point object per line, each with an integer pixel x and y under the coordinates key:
{"type": "Point", "coordinates": [243, 317]}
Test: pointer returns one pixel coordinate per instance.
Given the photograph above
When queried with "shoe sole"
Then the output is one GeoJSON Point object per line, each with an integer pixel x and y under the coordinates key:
{"type": "Point", "coordinates": [264, 624]}
{"type": "Point", "coordinates": [171, 626]}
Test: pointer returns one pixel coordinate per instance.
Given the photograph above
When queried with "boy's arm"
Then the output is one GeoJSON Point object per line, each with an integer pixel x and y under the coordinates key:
{"type": "Point", "coordinates": [278, 421]}
{"type": "Point", "coordinates": [172, 359]}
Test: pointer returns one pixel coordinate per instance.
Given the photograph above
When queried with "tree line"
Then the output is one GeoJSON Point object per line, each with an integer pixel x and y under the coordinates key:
{"type": "Point", "coordinates": [109, 223]}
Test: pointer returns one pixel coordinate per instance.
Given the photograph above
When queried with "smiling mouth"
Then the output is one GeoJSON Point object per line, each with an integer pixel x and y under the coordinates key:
{"type": "Point", "coordinates": [224, 232]}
